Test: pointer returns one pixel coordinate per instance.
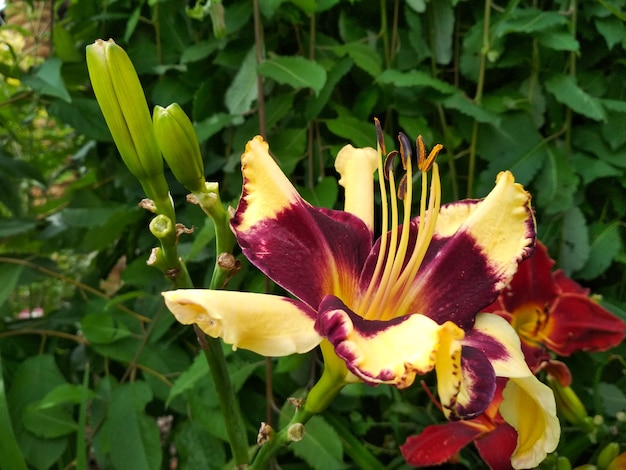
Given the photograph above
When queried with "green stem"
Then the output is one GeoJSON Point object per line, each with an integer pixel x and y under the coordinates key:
{"type": "Point", "coordinates": [360, 455]}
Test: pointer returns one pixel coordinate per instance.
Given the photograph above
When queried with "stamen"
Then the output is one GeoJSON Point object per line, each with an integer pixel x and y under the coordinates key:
{"type": "Point", "coordinates": [389, 160]}
{"type": "Point", "coordinates": [380, 137]}
{"type": "Point", "coordinates": [405, 149]}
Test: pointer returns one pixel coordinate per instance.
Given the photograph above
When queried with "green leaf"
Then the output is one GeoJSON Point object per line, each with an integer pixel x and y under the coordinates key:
{"type": "Point", "coordinates": [606, 244]}
{"type": "Point", "coordinates": [591, 169]}
{"type": "Point", "coordinates": [199, 51]}
{"type": "Point", "coordinates": [64, 44]}
{"type": "Point", "coordinates": [357, 132]}
{"type": "Point", "coordinates": [197, 448]}
{"type": "Point", "coordinates": [64, 394]}
{"type": "Point", "coordinates": [567, 92]}
{"type": "Point", "coordinates": [243, 90]}
{"type": "Point", "coordinates": [47, 80]}
{"type": "Point", "coordinates": [211, 126]}
{"type": "Point", "coordinates": [415, 78]}
{"type": "Point", "coordinates": [443, 30]}
{"type": "Point", "coordinates": [9, 276]}
{"type": "Point", "coordinates": [189, 378]}
{"type": "Point", "coordinates": [315, 104]}
{"type": "Point", "coordinates": [288, 147]}
{"type": "Point", "coordinates": [612, 398]}
{"type": "Point", "coordinates": [84, 116]}
{"type": "Point", "coordinates": [321, 446]}
{"type": "Point", "coordinates": [574, 247]}
{"type": "Point", "coordinates": [557, 183]}
{"type": "Point", "coordinates": [363, 55]}
{"type": "Point", "coordinates": [612, 29]}
{"type": "Point", "coordinates": [103, 328]}
{"type": "Point", "coordinates": [295, 71]}
{"type": "Point", "coordinates": [466, 106]}
{"type": "Point", "coordinates": [529, 20]}
{"type": "Point", "coordinates": [133, 436]}
{"type": "Point", "coordinates": [49, 422]}
{"type": "Point", "coordinates": [9, 450]}
{"type": "Point", "coordinates": [324, 194]}
{"type": "Point", "coordinates": [12, 227]}
{"type": "Point", "coordinates": [558, 40]}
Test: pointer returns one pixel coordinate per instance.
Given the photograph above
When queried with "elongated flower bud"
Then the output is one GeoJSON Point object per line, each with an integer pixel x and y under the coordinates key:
{"type": "Point", "coordinates": [568, 404]}
{"type": "Point", "coordinates": [123, 104]}
{"type": "Point", "coordinates": [177, 139]}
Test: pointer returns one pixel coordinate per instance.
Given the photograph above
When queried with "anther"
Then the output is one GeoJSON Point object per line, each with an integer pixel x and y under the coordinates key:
{"type": "Point", "coordinates": [405, 149]}
{"type": "Point", "coordinates": [402, 187]}
{"type": "Point", "coordinates": [379, 136]}
{"type": "Point", "coordinates": [388, 165]}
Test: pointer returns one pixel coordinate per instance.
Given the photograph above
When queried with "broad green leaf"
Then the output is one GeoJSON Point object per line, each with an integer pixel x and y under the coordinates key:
{"type": "Point", "coordinates": [197, 448]}
{"type": "Point", "coordinates": [11, 455]}
{"type": "Point", "coordinates": [612, 131]}
{"type": "Point", "coordinates": [103, 328]}
{"type": "Point", "coordinates": [466, 106]}
{"type": "Point", "coordinates": [529, 20]}
{"type": "Point", "coordinates": [16, 168]}
{"type": "Point", "coordinates": [49, 422]}
{"type": "Point", "coordinates": [199, 51]}
{"type": "Point", "coordinates": [295, 71]}
{"type": "Point", "coordinates": [321, 446]}
{"type": "Point", "coordinates": [567, 92]}
{"type": "Point", "coordinates": [64, 394]}
{"type": "Point", "coordinates": [589, 139]}
{"type": "Point", "coordinates": [277, 108]}
{"type": "Point", "coordinates": [33, 379]}
{"type": "Point", "coordinates": [612, 398]}
{"type": "Point", "coordinates": [198, 370]}
{"type": "Point", "coordinates": [9, 276]}
{"type": "Point", "coordinates": [443, 30]}
{"type": "Point", "coordinates": [557, 183]}
{"type": "Point", "coordinates": [12, 227]}
{"type": "Point", "coordinates": [87, 217]}
{"type": "Point", "coordinates": [288, 147]}
{"type": "Point", "coordinates": [316, 103]}
{"type": "Point", "coordinates": [363, 55]}
{"type": "Point", "coordinates": [514, 145]}
{"type": "Point", "coordinates": [64, 44]}
{"type": "Point", "coordinates": [243, 90]}
{"type": "Point", "coordinates": [415, 78]}
{"type": "Point", "coordinates": [558, 40]}
{"type": "Point", "coordinates": [84, 116]}
{"type": "Point", "coordinates": [605, 246]}
{"type": "Point", "coordinates": [612, 29]}
{"type": "Point", "coordinates": [47, 80]}
{"type": "Point", "coordinates": [324, 194]}
{"type": "Point", "coordinates": [133, 436]}
{"type": "Point", "coordinates": [591, 169]}
{"type": "Point", "coordinates": [574, 248]}
{"type": "Point", "coordinates": [211, 126]}
{"type": "Point", "coordinates": [358, 133]}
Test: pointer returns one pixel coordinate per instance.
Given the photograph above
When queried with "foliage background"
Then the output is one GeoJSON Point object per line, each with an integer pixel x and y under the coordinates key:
{"type": "Point", "coordinates": [105, 377]}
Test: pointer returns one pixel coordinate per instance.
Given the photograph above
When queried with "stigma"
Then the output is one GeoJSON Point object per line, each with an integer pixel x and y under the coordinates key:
{"type": "Point", "coordinates": [400, 255]}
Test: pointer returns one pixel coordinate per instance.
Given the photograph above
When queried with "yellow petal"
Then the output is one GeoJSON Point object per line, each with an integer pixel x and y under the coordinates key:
{"type": "Point", "coordinates": [267, 191]}
{"type": "Point", "coordinates": [266, 324]}
{"type": "Point", "coordinates": [356, 167]}
{"type": "Point", "coordinates": [529, 407]}
{"type": "Point", "coordinates": [449, 379]}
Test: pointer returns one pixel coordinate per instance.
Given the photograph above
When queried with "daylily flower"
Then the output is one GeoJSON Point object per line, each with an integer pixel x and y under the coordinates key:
{"type": "Point", "coordinates": [386, 310]}
{"type": "Point", "coordinates": [493, 437]}
{"type": "Point", "coordinates": [550, 310]}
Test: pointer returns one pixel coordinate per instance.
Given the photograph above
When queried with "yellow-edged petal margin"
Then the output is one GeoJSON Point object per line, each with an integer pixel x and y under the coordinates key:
{"type": "Point", "coordinates": [268, 190]}
{"type": "Point", "coordinates": [356, 167]}
{"type": "Point", "coordinates": [529, 407]}
{"type": "Point", "coordinates": [528, 404]}
{"type": "Point", "coordinates": [448, 367]}
{"type": "Point", "coordinates": [268, 325]}
{"type": "Point", "coordinates": [502, 225]}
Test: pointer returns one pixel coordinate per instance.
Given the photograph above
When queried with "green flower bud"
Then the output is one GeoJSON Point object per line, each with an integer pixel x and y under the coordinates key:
{"type": "Point", "coordinates": [607, 455]}
{"type": "Point", "coordinates": [568, 404]}
{"type": "Point", "coordinates": [123, 104]}
{"type": "Point", "coordinates": [177, 139]}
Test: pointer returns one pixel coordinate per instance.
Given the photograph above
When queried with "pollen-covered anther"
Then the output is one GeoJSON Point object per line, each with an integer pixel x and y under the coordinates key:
{"type": "Point", "coordinates": [379, 136]}
{"type": "Point", "coordinates": [424, 162]}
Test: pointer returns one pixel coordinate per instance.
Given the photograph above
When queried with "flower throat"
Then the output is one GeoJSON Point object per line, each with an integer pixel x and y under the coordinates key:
{"type": "Point", "coordinates": [389, 292]}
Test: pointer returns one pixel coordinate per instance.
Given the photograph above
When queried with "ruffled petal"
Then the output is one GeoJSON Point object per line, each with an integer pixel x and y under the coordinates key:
{"type": "Point", "coordinates": [578, 323]}
{"type": "Point", "coordinates": [530, 408]}
{"type": "Point", "coordinates": [356, 167]}
{"type": "Point", "coordinates": [438, 443]}
{"type": "Point", "coordinates": [268, 325]}
{"type": "Point", "coordinates": [308, 251]}
{"type": "Point", "coordinates": [475, 251]}
{"type": "Point", "coordinates": [390, 352]}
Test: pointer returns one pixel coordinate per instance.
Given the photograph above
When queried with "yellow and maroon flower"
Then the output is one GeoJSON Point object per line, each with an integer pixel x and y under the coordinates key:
{"type": "Point", "coordinates": [389, 309]}
{"type": "Point", "coordinates": [550, 310]}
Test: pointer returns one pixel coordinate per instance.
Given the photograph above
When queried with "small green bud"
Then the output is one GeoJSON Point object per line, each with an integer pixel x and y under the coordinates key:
{"type": "Point", "coordinates": [177, 139]}
{"type": "Point", "coordinates": [568, 403]}
{"type": "Point", "coordinates": [607, 455]}
{"type": "Point", "coordinates": [563, 463]}
{"type": "Point", "coordinates": [123, 104]}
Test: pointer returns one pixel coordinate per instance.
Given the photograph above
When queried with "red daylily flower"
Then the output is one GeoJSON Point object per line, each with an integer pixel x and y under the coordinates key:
{"type": "Point", "coordinates": [550, 310]}
{"type": "Point", "coordinates": [494, 438]}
